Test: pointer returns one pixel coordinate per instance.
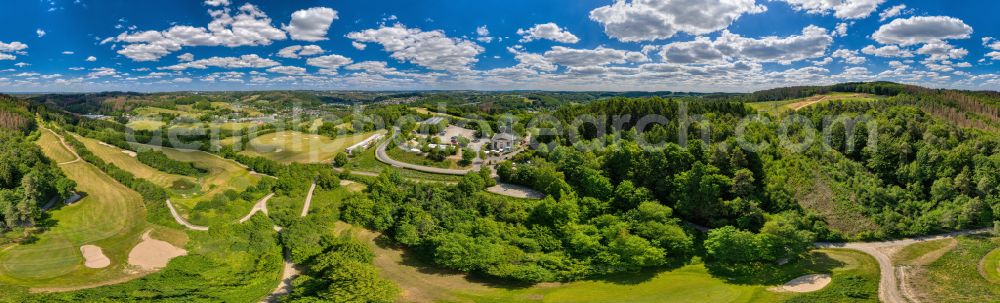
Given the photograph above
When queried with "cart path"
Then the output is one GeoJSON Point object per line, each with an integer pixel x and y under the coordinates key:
{"type": "Point", "coordinates": [180, 220]}
{"type": "Point", "coordinates": [309, 199]}
{"type": "Point", "coordinates": [261, 206]}
{"type": "Point", "coordinates": [889, 287]}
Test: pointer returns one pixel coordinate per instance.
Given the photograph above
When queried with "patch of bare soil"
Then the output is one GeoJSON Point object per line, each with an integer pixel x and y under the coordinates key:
{"type": "Point", "coordinates": [152, 254]}
{"type": "Point", "coordinates": [94, 257]}
{"type": "Point", "coordinates": [807, 283]}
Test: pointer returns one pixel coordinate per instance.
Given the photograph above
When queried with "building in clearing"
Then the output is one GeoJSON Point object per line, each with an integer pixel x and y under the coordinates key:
{"type": "Point", "coordinates": [363, 145]}
{"type": "Point", "coordinates": [504, 142]}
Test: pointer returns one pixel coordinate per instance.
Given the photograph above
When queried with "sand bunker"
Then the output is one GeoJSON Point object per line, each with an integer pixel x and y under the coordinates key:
{"type": "Point", "coordinates": [130, 153]}
{"type": "Point", "coordinates": [153, 254]}
{"type": "Point", "coordinates": [807, 283]}
{"type": "Point", "coordinates": [94, 257]}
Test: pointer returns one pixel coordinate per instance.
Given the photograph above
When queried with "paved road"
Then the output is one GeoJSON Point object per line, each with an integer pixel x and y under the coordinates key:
{"type": "Point", "coordinates": [889, 288]}
{"type": "Point", "coordinates": [180, 220]}
{"type": "Point", "coordinates": [382, 156]}
{"type": "Point", "coordinates": [309, 199]}
{"type": "Point", "coordinates": [261, 206]}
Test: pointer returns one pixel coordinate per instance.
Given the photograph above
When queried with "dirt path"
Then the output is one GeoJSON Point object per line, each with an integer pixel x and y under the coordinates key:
{"type": "Point", "coordinates": [309, 199]}
{"type": "Point", "coordinates": [889, 285]}
{"type": "Point", "coordinates": [288, 274]}
{"type": "Point", "coordinates": [799, 105]}
{"type": "Point", "coordinates": [261, 206]}
{"type": "Point", "coordinates": [180, 220]}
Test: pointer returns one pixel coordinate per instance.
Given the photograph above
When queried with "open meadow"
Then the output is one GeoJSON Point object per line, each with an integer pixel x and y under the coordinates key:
{"type": "Point", "coordinates": [965, 269]}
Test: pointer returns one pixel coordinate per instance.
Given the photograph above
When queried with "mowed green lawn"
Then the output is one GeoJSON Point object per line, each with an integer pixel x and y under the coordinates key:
{"type": "Point", "coordinates": [53, 148]}
{"type": "Point", "coordinates": [118, 157]}
{"type": "Point", "coordinates": [110, 216]}
{"type": "Point", "coordinates": [145, 124]}
{"type": "Point", "coordinates": [292, 146]}
{"type": "Point", "coordinates": [223, 174]}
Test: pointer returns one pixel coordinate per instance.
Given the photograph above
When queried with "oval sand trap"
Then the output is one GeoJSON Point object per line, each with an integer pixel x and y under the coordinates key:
{"type": "Point", "coordinates": [153, 254]}
{"type": "Point", "coordinates": [807, 283]}
{"type": "Point", "coordinates": [94, 257]}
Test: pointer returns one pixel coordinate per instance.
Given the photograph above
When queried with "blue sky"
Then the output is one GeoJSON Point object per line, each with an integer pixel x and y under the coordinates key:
{"type": "Point", "coordinates": [684, 45]}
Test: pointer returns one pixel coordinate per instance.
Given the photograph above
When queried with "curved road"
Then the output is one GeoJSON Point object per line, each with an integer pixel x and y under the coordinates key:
{"type": "Point", "coordinates": [382, 156]}
{"type": "Point", "coordinates": [309, 199]}
{"type": "Point", "coordinates": [261, 206]}
{"type": "Point", "coordinates": [889, 288]}
{"type": "Point", "coordinates": [180, 220]}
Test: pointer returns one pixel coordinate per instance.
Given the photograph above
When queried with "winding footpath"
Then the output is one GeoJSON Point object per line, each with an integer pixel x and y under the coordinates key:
{"type": "Point", "coordinates": [889, 286]}
{"type": "Point", "coordinates": [180, 220]}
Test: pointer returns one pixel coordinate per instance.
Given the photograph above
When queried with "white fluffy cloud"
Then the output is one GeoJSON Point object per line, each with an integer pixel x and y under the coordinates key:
{"type": "Point", "coordinates": [849, 56]}
{"type": "Point", "coordinates": [249, 27]}
{"type": "Point", "coordinates": [812, 43]}
{"type": "Point", "coordinates": [91, 59]}
{"type": "Point", "coordinates": [40, 33]}
{"type": "Point", "coordinates": [843, 9]}
{"type": "Point", "coordinates": [245, 61]}
{"type": "Point", "coordinates": [217, 2]}
{"type": "Point", "coordinates": [550, 31]}
{"type": "Point", "coordinates": [592, 57]}
{"type": "Point", "coordinates": [728, 47]}
{"type": "Point", "coordinates": [890, 51]}
{"type": "Point", "coordinates": [186, 57]}
{"type": "Point", "coordinates": [923, 29]}
{"type": "Point", "coordinates": [311, 24]}
{"type": "Point", "coordinates": [939, 51]}
{"type": "Point", "coordinates": [647, 20]}
{"type": "Point", "coordinates": [329, 64]}
{"type": "Point", "coordinates": [298, 51]}
{"type": "Point", "coordinates": [483, 34]}
{"type": "Point", "coordinates": [430, 49]}
{"type": "Point", "coordinates": [892, 12]}
{"type": "Point", "coordinates": [14, 47]}
{"type": "Point", "coordinates": [287, 70]}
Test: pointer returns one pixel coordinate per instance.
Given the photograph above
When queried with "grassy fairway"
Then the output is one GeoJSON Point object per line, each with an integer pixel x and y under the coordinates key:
{"type": "Point", "coordinates": [53, 148]}
{"type": "Point", "coordinates": [291, 146]}
{"type": "Point", "coordinates": [961, 274]}
{"type": "Point", "coordinates": [145, 124]}
{"type": "Point", "coordinates": [223, 174]}
{"type": "Point", "coordinates": [110, 216]}
{"type": "Point", "coordinates": [991, 266]}
{"type": "Point", "coordinates": [119, 158]}
{"type": "Point", "coordinates": [853, 273]}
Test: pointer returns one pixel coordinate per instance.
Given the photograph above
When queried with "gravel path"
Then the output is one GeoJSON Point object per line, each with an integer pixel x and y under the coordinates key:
{"type": "Point", "coordinates": [309, 199]}
{"type": "Point", "coordinates": [180, 220]}
{"type": "Point", "coordinates": [889, 287]}
{"type": "Point", "coordinates": [261, 206]}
